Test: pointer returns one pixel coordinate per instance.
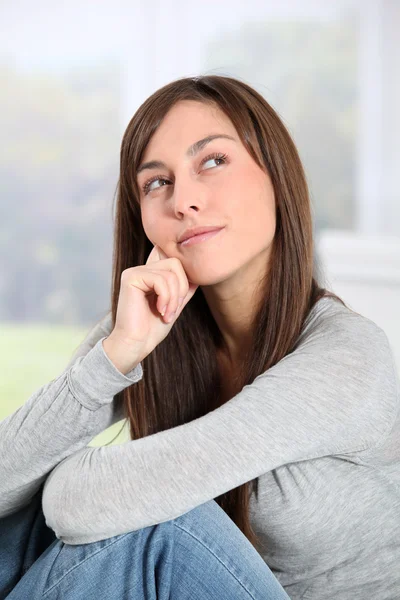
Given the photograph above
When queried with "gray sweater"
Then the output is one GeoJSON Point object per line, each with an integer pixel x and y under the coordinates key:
{"type": "Point", "coordinates": [320, 429]}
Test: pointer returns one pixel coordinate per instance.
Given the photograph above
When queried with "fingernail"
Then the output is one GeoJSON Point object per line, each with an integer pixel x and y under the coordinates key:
{"type": "Point", "coordinates": [171, 317]}
{"type": "Point", "coordinates": [180, 302]}
{"type": "Point", "coordinates": [163, 310]}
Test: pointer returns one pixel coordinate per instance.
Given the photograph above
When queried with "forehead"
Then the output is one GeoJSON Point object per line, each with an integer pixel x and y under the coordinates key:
{"type": "Point", "coordinates": [186, 122]}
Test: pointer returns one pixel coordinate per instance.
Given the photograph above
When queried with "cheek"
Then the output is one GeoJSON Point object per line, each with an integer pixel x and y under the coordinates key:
{"type": "Point", "coordinates": [253, 203]}
{"type": "Point", "coordinates": [265, 224]}
{"type": "Point", "coordinates": [155, 232]}
{"type": "Point", "coordinates": [149, 223]}
{"type": "Point", "coordinates": [257, 221]}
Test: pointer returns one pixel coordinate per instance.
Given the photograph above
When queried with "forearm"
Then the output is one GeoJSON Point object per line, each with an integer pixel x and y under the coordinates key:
{"type": "Point", "coordinates": [59, 419]}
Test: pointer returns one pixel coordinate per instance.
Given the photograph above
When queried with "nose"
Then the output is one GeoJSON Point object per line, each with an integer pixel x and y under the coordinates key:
{"type": "Point", "coordinates": [187, 197]}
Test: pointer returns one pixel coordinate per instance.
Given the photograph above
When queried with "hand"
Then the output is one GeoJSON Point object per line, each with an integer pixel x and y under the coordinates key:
{"type": "Point", "coordinates": [145, 291]}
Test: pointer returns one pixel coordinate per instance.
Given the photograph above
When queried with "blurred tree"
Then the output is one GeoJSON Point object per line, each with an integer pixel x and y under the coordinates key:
{"type": "Point", "coordinates": [59, 158]}
{"type": "Point", "coordinates": [59, 164]}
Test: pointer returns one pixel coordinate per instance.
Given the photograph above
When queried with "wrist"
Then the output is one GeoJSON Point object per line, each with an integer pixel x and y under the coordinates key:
{"type": "Point", "coordinates": [122, 357]}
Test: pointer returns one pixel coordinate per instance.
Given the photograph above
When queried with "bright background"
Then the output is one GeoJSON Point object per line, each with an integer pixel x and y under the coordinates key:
{"type": "Point", "coordinates": [72, 75]}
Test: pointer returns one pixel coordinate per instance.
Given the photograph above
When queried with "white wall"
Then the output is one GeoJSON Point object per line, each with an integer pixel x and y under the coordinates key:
{"type": "Point", "coordinates": [364, 270]}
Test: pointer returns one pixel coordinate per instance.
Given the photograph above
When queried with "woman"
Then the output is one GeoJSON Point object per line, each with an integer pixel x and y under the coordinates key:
{"type": "Point", "coordinates": [264, 460]}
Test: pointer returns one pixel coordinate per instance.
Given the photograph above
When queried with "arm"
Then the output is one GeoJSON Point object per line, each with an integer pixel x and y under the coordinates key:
{"type": "Point", "coordinates": [334, 394]}
{"type": "Point", "coordinates": [60, 418]}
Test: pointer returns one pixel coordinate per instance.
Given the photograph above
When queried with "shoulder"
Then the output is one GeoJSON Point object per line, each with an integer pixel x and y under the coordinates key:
{"type": "Point", "coordinates": [330, 322]}
{"type": "Point", "coordinates": [343, 362]}
{"type": "Point", "coordinates": [350, 347]}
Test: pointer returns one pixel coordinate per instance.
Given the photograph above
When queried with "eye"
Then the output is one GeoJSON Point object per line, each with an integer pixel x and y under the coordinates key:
{"type": "Point", "coordinates": [146, 186]}
{"type": "Point", "coordinates": [216, 156]}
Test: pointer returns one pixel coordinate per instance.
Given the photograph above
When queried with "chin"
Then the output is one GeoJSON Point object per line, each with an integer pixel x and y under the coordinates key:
{"type": "Point", "coordinates": [206, 276]}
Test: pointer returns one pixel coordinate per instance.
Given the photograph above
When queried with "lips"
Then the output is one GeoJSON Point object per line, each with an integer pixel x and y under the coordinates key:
{"type": "Point", "coordinates": [197, 231]}
{"type": "Point", "coordinates": [200, 237]}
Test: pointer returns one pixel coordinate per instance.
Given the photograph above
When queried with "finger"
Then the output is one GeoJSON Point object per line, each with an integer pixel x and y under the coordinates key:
{"type": "Point", "coordinates": [156, 255]}
{"type": "Point", "coordinates": [162, 289]}
{"type": "Point", "coordinates": [174, 285]}
{"type": "Point", "coordinates": [186, 288]}
{"type": "Point", "coordinates": [170, 264]}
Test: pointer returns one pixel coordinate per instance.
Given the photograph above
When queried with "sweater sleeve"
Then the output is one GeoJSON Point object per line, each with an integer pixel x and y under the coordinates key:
{"type": "Point", "coordinates": [334, 394]}
{"type": "Point", "coordinates": [60, 418]}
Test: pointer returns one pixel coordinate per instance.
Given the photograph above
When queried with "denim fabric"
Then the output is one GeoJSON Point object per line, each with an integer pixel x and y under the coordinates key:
{"type": "Point", "coordinates": [200, 555]}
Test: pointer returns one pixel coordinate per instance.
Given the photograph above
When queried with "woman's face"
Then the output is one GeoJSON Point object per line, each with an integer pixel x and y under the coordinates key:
{"type": "Point", "coordinates": [193, 189]}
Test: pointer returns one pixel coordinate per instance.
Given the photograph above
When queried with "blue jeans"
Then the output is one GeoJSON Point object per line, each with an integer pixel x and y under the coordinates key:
{"type": "Point", "coordinates": [199, 555]}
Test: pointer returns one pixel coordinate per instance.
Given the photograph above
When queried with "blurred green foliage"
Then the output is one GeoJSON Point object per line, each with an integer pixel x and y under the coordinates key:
{"type": "Point", "coordinates": [61, 137]}
{"type": "Point", "coordinates": [30, 357]}
{"type": "Point", "coordinates": [59, 160]}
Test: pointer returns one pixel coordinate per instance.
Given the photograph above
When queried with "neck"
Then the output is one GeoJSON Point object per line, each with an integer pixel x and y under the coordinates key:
{"type": "Point", "coordinates": [233, 303]}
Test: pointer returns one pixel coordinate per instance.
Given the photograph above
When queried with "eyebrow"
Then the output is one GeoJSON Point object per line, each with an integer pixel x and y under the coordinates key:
{"type": "Point", "coordinates": [191, 151]}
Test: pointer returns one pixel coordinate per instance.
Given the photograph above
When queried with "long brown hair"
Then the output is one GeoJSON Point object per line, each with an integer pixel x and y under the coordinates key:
{"type": "Point", "coordinates": [180, 377]}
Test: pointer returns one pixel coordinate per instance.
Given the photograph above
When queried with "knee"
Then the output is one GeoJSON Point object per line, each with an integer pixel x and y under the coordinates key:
{"type": "Point", "coordinates": [117, 553]}
{"type": "Point", "coordinates": [204, 521]}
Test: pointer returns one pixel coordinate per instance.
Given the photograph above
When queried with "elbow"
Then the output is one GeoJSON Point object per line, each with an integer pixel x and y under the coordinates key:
{"type": "Point", "coordinates": [67, 504]}
{"type": "Point", "coordinates": [54, 517]}
{"type": "Point", "coordinates": [56, 505]}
